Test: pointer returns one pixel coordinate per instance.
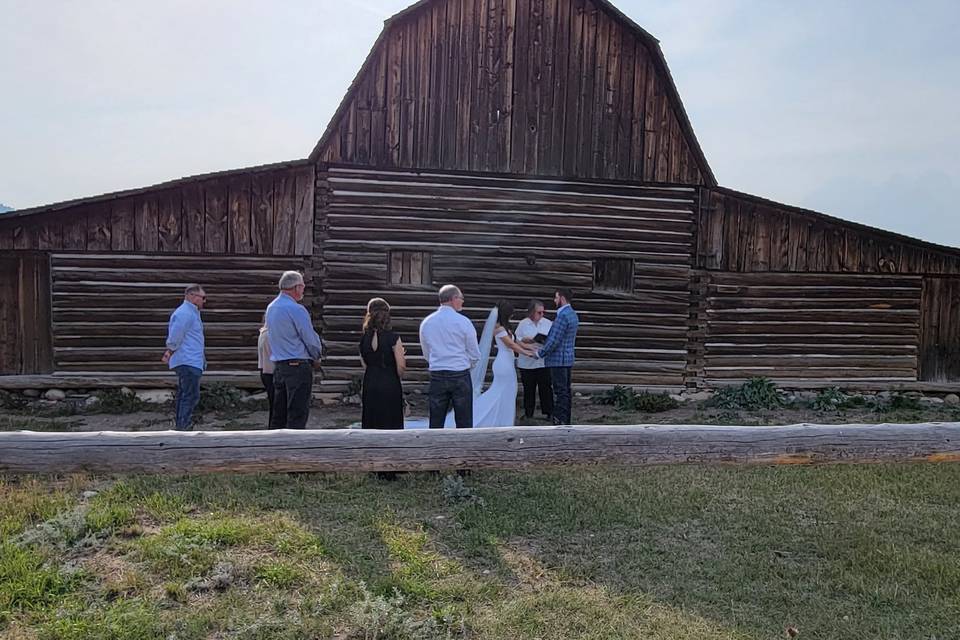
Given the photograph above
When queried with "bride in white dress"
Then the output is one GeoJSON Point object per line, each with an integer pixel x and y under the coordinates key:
{"type": "Point", "coordinates": [497, 405]}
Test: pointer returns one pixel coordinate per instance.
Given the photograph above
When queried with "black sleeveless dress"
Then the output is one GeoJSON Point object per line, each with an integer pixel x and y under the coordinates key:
{"type": "Point", "coordinates": [382, 395]}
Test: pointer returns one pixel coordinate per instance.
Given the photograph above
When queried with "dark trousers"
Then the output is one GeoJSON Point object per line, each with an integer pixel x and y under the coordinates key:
{"type": "Point", "coordinates": [188, 395]}
{"type": "Point", "coordinates": [267, 380]}
{"type": "Point", "coordinates": [451, 388]}
{"type": "Point", "coordinates": [534, 381]}
{"type": "Point", "coordinates": [562, 396]}
{"type": "Point", "coordinates": [292, 388]}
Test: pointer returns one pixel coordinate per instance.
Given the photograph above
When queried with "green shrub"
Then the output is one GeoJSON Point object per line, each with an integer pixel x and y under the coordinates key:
{"type": "Point", "coordinates": [218, 397]}
{"type": "Point", "coordinates": [755, 393]}
{"type": "Point", "coordinates": [12, 401]}
{"type": "Point", "coordinates": [457, 492]}
{"type": "Point", "coordinates": [117, 401]}
{"type": "Point", "coordinates": [834, 399]}
{"type": "Point", "coordinates": [626, 399]}
{"type": "Point", "coordinates": [899, 402]}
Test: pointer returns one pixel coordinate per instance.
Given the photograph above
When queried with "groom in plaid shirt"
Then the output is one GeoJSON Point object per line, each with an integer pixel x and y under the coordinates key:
{"type": "Point", "coordinates": [557, 353]}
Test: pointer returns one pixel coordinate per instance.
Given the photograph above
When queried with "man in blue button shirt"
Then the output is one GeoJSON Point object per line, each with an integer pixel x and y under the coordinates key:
{"type": "Point", "coordinates": [295, 348]}
{"type": "Point", "coordinates": [185, 354]}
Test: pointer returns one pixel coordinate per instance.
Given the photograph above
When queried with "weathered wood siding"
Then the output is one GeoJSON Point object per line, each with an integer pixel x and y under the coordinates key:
{"type": "Point", "coordinates": [110, 311]}
{"type": "Point", "coordinates": [25, 345]}
{"type": "Point", "coordinates": [513, 238]}
{"type": "Point", "coordinates": [259, 212]}
{"type": "Point", "coordinates": [739, 232]}
{"type": "Point", "coordinates": [810, 327]}
{"type": "Point", "coordinates": [9, 315]}
{"type": "Point", "coordinates": [541, 87]}
{"type": "Point", "coordinates": [940, 330]}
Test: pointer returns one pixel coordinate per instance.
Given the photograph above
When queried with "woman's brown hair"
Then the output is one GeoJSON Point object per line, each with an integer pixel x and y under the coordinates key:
{"type": "Point", "coordinates": [378, 316]}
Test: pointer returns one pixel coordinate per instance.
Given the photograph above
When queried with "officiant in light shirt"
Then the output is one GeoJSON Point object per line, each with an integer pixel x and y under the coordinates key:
{"type": "Point", "coordinates": [533, 372]}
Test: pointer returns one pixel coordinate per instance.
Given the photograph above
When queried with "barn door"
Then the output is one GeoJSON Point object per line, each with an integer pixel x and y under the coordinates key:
{"type": "Point", "coordinates": [9, 316]}
{"type": "Point", "coordinates": [25, 343]}
{"type": "Point", "coordinates": [939, 356]}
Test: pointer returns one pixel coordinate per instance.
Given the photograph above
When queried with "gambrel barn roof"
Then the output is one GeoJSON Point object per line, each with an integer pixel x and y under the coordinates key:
{"type": "Point", "coordinates": [568, 88]}
{"type": "Point", "coordinates": [571, 89]}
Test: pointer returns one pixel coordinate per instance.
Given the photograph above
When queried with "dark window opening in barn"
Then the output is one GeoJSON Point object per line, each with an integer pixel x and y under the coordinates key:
{"type": "Point", "coordinates": [411, 268]}
{"type": "Point", "coordinates": [613, 275]}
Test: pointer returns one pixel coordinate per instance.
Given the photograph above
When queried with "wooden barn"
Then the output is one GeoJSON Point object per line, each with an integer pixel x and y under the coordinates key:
{"type": "Point", "coordinates": [507, 146]}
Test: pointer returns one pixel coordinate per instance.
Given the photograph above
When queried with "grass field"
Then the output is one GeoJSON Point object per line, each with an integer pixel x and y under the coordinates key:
{"type": "Point", "coordinates": [659, 553]}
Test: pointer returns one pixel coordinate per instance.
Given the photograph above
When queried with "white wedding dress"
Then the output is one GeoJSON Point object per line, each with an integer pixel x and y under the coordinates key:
{"type": "Point", "coordinates": [497, 406]}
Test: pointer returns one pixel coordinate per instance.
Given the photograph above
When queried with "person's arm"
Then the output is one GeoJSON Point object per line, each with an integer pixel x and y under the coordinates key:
{"type": "Point", "coordinates": [515, 346]}
{"type": "Point", "coordinates": [424, 347]}
{"type": "Point", "coordinates": [470, 342]}
{"type": "Point", "coordinates": [400, 355]}
{"type": "Point", "coordinates": [176, 332]}
{"type": "Point", "coordinates": [555, 336]}
{"type": "Point", "coordinates": [311, 339]}
{"type": "Point", "coordinates": [525, 332]}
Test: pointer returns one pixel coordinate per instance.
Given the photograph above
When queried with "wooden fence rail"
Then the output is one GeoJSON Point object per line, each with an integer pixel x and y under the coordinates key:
{"type": "Point", "coordinates": [514, 448]}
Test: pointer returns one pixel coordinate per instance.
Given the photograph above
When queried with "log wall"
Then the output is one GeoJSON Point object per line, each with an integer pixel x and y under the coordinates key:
{"type": "Point", "coordinates": [110, 311]}
{"type": "Point", "coordinates": [543, 87]}
{"type": "Point", "coordinates": [810, 327]}
{"type": "Point", "coordinates": [940, 330]}
{"type": "Point", "coordinates": [256, 211]}
{"type": "Point", "coordinates": [739, 232]}
{"type": "Point", "coordinates": [514, 238]}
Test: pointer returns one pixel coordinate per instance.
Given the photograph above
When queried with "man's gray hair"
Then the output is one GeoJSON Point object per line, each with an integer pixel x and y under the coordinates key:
{"type": "Point", "coordinates": [290, 279]}
{"type": "Point", "coordinates": [192, 288]}
{"type": "Point", "coordinates": [448, 292]}
{"type": "Point", "coordinates": [533, 306]}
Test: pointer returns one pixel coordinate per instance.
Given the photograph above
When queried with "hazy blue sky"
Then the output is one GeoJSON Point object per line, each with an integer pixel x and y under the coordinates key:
{"type": "Point", "coordinates": [850, 108]}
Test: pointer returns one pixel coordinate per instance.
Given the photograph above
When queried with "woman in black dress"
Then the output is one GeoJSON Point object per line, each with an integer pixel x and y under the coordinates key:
{"type": "Point", "coordinates": [384, 363]}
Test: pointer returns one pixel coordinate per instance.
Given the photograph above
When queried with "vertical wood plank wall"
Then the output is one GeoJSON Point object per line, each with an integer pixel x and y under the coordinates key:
{"type": "Point", "coordinates": [35, 332]}
{"type": "Point", "coordinates": [518, 239]}
{"type": "Point", "coordinates": [743, 233]}
{"type": "Point", "coordinates": [940, 330]}
{"type": "Point", "coordinates": [10, 345]}
{"type": "Point", "coordinates": [254, 212]}
{"type": "Point", "coordinates": [542, 87]}
{"type": "Point", "coordinates": [25, 336]}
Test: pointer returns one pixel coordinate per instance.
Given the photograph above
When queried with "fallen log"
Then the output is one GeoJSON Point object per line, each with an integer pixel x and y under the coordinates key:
{"type": "Point", "coordinates": [174, 452]}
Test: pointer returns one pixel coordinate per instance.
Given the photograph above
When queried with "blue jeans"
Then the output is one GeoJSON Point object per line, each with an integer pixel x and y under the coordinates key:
{"type": "Point", "coordinates": [560, 378]}
{"type": "Point", "coordinates": [188, 394]}
{"type": "Point", "coordinates": [451, 388]}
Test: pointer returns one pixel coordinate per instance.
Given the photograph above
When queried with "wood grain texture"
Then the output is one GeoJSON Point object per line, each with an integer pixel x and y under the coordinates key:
{"type": "Point", "coordinates": [211, 216]}
{"type": "Point", "coordinates": [355, 450]}
{"type": "Point", "coordinates": [535, 87]}
{"type": "Point", "coordinates": [400, 235]}
{"type": "Point", "coordinates": [940, 330]}
{"type": "Point", "coordinates": [110, 311]}
{"type": "Point", "coordinates": [827, 327]}
{"type": "Point", "coordinates": [740, 232]}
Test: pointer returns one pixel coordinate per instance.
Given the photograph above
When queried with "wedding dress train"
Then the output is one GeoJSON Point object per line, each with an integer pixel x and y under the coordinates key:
{"type": "Point", "coordinates": [497, 406]}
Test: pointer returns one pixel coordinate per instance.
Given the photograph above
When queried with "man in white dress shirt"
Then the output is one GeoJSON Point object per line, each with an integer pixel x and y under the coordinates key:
{"type": "Point", "coordinates": [449, 344]}
{"type": "Point", "coordinates": [533, 372]}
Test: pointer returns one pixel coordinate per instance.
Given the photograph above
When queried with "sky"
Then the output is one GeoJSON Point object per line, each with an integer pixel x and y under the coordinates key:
{"type": "Point", "coordinates": [844, 107]}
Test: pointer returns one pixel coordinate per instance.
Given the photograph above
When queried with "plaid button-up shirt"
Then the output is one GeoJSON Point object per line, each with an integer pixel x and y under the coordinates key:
{"type": "Point", "coordinates": [557, 351]}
